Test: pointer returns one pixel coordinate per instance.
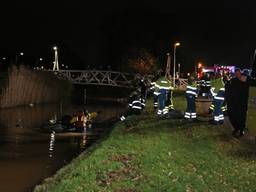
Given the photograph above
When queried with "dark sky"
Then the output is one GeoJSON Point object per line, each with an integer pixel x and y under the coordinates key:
{"type": "Point", "coordinates": [100, 32]}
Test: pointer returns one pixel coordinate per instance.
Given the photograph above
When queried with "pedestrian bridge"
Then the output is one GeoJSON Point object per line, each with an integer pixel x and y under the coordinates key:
{"type": "Point", "coordinates": [105, 78]}
{"type": "Point", "coordinates": [95, 77]}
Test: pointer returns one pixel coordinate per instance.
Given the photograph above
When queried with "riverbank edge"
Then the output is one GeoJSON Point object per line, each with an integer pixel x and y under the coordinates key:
{"type": "Point", "coordinates": [117, 163]}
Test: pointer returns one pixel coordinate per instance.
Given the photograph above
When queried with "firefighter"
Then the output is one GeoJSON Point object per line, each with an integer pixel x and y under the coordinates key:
{"type": "Point", "coordinates": [218, 92]}
{"type": "Point", "coordinates": [205, 84]}
{"type": "Point", "coordinates": [226, 80]}
{"type": "Point", "coordinates": [135, 106]}
{"type": "Point", "coordinates": [163, 86]}
{"type": "Point", "coordinates": [155, 92]}
{"type": "Point", "coordinates": [191, 94]}
{"type": "Point", "coordinates": [169, 102]}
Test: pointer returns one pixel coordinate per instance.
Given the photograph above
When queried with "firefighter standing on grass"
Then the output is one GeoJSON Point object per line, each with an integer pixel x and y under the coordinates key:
{"type": "Point", "coordinates": [163, 86]}
{"type": "Point", "coordinates": [191, 94]}
{"type": "Point", "coordinates": [218, 92]}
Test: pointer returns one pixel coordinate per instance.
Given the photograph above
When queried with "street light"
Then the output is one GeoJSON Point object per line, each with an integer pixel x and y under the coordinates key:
{"type": "Point", "coordinates": [56, 62]}
{"type": "Point", "coordinates": [174, 62]}
{"type": "Point", "coordinates": [16, 57]}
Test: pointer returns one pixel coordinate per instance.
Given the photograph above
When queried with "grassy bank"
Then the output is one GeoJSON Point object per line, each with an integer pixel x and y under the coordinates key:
{"type": "Point", "coordinates": [150, 154]}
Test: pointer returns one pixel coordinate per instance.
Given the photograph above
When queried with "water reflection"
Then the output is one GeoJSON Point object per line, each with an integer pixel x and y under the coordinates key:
{"type": "Point", "coordinates": [28, 155]}
{"type": "Point", "coordinates": [51, 146]}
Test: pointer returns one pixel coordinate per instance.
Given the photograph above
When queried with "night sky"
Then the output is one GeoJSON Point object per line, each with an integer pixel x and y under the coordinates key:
{"type": "Point", "coordinates": [101, 32]}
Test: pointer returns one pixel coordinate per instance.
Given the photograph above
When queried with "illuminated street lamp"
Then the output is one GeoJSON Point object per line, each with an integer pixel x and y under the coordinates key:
{"type": "Point", "coordinates": [56, 62]}
{"type": "Point", "coordinates": [16, 57]}
{"type": "Point", "coordinates": [174, 62]}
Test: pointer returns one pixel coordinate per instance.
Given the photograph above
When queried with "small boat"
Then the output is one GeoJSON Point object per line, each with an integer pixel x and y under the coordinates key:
{"type": "Point", "coordinates": [58, 127]}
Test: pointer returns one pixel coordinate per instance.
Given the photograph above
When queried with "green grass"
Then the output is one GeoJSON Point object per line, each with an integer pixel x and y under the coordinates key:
{"type": "Point", "coordinates": [251, 117]}
{"type": "Point", "coordinates": [150, 154]}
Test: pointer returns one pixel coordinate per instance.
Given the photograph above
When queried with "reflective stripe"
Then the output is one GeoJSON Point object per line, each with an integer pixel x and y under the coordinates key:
{"type": "Point", "coordinates": [159, 112]}
{"type": "Point", "coordinates": [136, 107]}
{"type": "Point", "coordinates": [193, 88]}
{"type": "Point", "coordinates": [137, 101]}
{"type": "Point", "coordinates": [122, 118]}
{"type": "Point", "coordinates": [193, 116]}
{"type": "Point", "coordinates": [216, 118]}
{"type": "Point", "coordinates": [191, 92]}
{"type": "Point", "coordinates": [187, 116]}
{"type": "Point", "coordinates": [187, 113]}
{"type": "Point", "coordinates": [219, 98]}
{"type": "Point", "coordinates": [193, 113]}
{"type": "Point", "coordinates": [165, 112]}
{"type": "Point", "coordinates": [156, 93]}
{"type": "Point", "coordinates": [166, 88]}
{"type": "Point", "coordinates": [170, 107]}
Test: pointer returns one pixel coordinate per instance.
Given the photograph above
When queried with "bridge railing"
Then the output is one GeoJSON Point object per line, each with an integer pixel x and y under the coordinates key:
{"type": "Point", "coordinates": [107, 78]}
{"type": "Point", "coordinates": [95, 77]}
{"type": "Point", "coordinates": [181, 84]}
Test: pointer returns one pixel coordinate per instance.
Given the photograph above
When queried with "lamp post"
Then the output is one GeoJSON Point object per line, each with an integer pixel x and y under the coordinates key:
{"type": "Point", "coordinates": [174, 62]}
{"type": "Point", "coordinates": [178, 70]}
{"type": "Point", "coordinates": [16, 57]}
{"type": "Point", "coordinates": [56, 62]}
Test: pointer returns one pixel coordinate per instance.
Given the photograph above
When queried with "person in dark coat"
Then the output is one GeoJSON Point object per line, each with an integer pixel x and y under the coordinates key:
{"type": "Point", "coordinates": [237, 93]}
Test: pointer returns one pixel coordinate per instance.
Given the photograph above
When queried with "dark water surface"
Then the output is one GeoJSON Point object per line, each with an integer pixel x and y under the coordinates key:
{"type": "Point", "coordinates": [28, 154]}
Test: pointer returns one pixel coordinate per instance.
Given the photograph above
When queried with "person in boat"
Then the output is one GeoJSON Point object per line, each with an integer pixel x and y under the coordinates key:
{"type": "Point", "coordinates": [89, 117]}
{"type": "Point", "coordinates": [80, 124]}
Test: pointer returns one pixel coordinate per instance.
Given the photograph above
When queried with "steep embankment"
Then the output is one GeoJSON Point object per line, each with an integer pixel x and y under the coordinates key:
{"type": "Point", "coordinates": [146, 153]}
{"type": "Point", "coordinates": [24, 86]}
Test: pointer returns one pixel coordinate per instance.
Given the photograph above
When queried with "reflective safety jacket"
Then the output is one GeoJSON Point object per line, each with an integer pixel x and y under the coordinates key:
{"type": "Point", "coordinates": [218, 90]}
{"type": "Point", "coordinates": [135, 103]}
{"type": "Point", "coordinates": [192, 90]}
{"type": "Point", "coordinates": [217, 85]}
{"type": "Point", "coordinates": [163, 83]}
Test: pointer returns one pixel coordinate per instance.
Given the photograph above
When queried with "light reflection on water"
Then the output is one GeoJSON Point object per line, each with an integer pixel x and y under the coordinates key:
{"type": "Point", "coordinates": [28, 155]}
{"type": "Point", "coordinates": [51, 147]}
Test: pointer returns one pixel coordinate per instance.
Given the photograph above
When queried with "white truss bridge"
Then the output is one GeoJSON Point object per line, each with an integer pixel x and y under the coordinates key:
{"type": "Point", "coordinates": [95, 77]}
{"type": "Point", "coordinates": [106, 78]}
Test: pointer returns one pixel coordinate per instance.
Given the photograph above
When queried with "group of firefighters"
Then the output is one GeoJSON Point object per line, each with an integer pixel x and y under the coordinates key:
{"type": "Point", "coordinates": [228, 92]}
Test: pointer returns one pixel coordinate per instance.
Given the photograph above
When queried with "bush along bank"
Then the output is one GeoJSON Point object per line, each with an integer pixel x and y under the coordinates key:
{"type": "Point", "coordinates": [24, 86]}
{"type": "Point", "coordinates": [146, 153]}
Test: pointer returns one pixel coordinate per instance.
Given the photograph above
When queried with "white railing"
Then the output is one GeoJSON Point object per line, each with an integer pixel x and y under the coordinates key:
{"type": "Point", "coordinates": [95, 77]}
{"type": "Point", "coordinates": [107, 78]}
{"type": "Point", "coordinates": [181, 84]}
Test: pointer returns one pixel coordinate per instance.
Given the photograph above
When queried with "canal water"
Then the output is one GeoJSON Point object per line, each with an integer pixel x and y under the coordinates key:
{"type": "Point", "coordinates": [28, 153]}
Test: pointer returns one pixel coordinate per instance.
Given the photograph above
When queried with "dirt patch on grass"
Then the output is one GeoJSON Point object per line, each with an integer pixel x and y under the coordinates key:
{"type": "Point", "coordinates": [128, 171]}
